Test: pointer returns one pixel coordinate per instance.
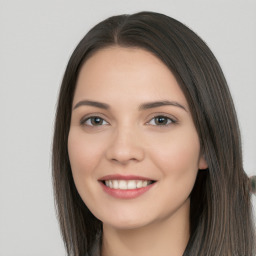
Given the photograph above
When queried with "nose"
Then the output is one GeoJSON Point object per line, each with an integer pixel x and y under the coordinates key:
{"type": "Point", "coordinates": [125, 146]}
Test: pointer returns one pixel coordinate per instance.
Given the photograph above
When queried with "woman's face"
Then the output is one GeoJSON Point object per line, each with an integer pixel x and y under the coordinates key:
{"type": "Point", "coordinates": [131, 126]}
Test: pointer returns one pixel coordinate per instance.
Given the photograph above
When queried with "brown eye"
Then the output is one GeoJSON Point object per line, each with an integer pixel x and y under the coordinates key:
{"type": "Point", "coordinates": [161, 121]}
{"type": "Point", "coordinates": [94, 121]}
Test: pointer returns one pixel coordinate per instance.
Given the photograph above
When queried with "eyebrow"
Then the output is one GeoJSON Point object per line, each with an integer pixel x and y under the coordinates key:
{"type": "Point", "coordinates": [143, 106]}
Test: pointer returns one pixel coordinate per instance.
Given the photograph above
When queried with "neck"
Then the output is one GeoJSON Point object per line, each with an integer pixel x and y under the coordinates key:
{"type": "Point", "coordinates": [167, 236]}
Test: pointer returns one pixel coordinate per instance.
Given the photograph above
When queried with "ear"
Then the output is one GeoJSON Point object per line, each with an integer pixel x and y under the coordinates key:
{"type": "Point", "coordinates": [202, 164]}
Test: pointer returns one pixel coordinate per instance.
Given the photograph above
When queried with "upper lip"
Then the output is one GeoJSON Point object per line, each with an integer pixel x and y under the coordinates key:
{"type": "Point", "coordinates": [123, 177]}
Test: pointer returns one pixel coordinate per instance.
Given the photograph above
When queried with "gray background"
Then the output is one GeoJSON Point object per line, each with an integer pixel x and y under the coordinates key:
{"type": "Point", "coordinates": [37, 39]}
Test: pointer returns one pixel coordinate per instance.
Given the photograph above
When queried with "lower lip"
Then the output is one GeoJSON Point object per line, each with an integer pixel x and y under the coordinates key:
{"type": "Point", "coordinates": [126, 194]}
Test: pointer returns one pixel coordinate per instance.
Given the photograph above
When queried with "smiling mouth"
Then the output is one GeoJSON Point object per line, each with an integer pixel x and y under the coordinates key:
{"type": "Point", "coordinates": [127, 184]}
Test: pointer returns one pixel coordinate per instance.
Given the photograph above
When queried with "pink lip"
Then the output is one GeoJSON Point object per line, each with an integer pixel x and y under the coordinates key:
{"type": "Point", "coordinates": [123, 177]}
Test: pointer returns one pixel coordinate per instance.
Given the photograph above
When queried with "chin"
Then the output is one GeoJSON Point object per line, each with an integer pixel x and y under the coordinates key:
{"type": "Point", "coordinates": [126, 223]}
{"type": "Point", "coordinates": [125, 226]}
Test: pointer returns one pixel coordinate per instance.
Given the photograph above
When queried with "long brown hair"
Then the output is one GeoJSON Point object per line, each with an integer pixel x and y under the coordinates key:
{"type": "Point", "coordinates": [221, 212]}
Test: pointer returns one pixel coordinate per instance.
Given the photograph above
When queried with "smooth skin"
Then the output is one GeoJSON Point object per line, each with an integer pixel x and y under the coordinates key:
{"type": "Point", "coordinates": [159, 142]}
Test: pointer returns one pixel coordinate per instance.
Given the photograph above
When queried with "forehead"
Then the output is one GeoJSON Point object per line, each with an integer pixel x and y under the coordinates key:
{"type": "Point", "coordinates": [128, 73]}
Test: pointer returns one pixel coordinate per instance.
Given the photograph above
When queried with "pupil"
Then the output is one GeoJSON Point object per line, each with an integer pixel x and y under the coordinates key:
{"type": "Point", "coordinates": [161, 120]}
{"type": "Point", "coordinates": [96, 120]}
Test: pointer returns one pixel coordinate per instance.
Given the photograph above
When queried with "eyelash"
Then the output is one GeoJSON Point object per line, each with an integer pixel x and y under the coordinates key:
{"type": "Point", "coordinates": [170, 121]}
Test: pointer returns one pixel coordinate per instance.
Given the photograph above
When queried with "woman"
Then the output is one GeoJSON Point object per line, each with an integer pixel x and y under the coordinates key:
{"type": "Point", "coordinates": [146, 152]}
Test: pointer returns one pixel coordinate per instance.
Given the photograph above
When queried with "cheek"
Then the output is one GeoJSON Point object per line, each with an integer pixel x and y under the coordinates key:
{"type": "Point", "coordinates": [84, 154]}
{"type": "Point", "coordinates": [177, 160]}
{"type": "Point", "coordinates": [178, 156]}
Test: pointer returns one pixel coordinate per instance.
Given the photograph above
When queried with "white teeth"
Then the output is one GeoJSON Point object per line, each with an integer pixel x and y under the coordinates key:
{"type": "Point", "coordinates": [139, 184]}
{"type": "Point", "coordinates": [144, 183]}
{"type": "Point", "coordinates": [122, 184]}
{"type": "Point", "coordinates": [131, 184]}
{"type": "Point", "coordinates": [115, 184]}
{"type": "Point", "coordinates": [127, 184]}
